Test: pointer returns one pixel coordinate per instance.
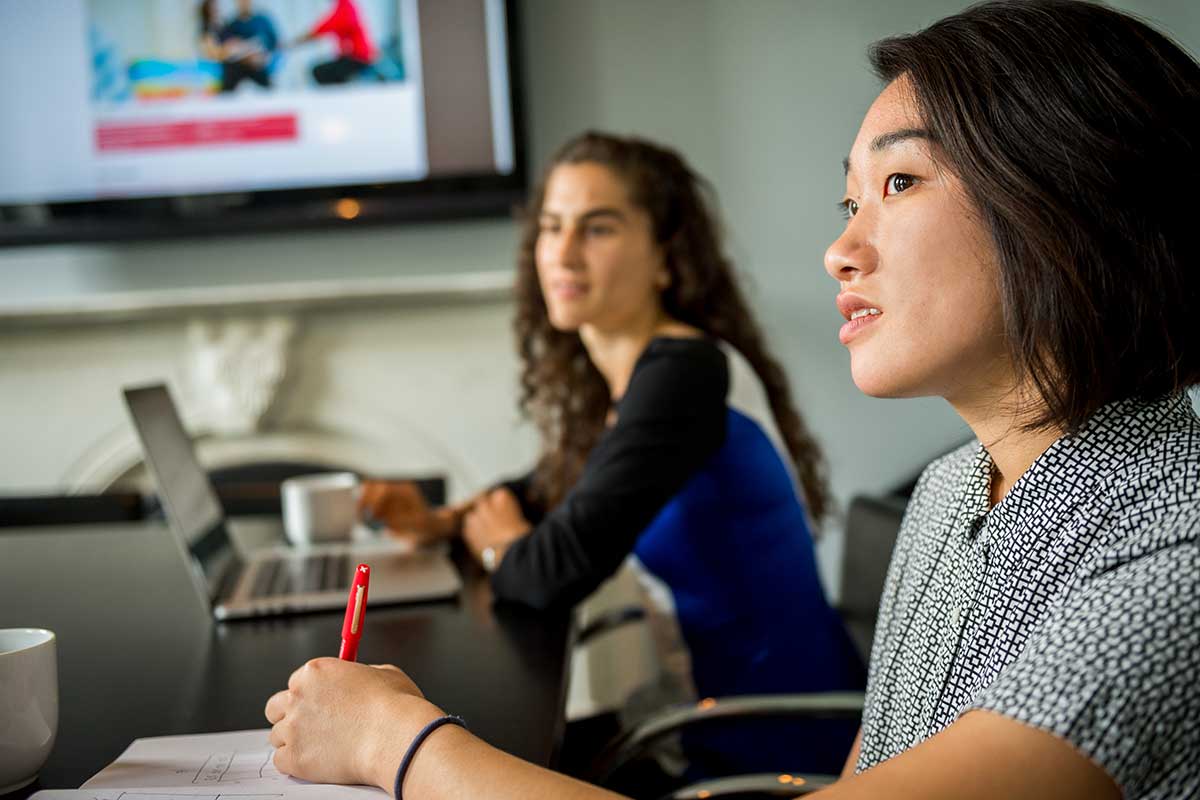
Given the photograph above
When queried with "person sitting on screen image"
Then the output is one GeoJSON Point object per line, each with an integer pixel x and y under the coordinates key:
{"type": "Point", "coordinates": [669, 443]}
{"type": "Point", "coordinates": [1020, 242]}
{"type": "Point", "coordinates": [355, 53]}
{"type": "Point", "coordinates": [246, 45]}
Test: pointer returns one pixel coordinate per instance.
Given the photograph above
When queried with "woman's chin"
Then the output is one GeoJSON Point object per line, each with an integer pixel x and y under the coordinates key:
{"type": "Point", "coordinates": [565, 320]}
{"type": "Point", "coordinates": [564, 323]}
{"type": "Point", "coordinates": [876, 381]}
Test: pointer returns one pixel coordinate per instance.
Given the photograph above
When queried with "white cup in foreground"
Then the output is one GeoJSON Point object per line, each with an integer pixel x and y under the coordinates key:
{"type": "Point", "coordinates": [28, 704]}
{"type": "Point", "coordinates": [320, 508]}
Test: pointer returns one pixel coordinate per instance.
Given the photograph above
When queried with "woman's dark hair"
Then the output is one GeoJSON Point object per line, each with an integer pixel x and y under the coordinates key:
{"type": "Point", "coordinates": [563, 391]}
{"type": "Point", "coordinates": [1076, 131]}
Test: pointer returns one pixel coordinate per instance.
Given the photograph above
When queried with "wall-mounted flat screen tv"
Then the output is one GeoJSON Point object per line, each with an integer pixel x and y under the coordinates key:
{"type": "Point", "coordinates": [147, 118]}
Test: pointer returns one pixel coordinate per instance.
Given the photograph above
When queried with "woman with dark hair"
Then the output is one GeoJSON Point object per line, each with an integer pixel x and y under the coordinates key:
{"type": "Point", "coordinates": [669, 442]}
{"type": "Point", "coordinates": [1018, 241]}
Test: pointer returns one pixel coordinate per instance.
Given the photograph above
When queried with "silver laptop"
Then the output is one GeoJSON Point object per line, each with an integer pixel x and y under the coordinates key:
{"type": "Point", "coordinates": [271, 580]}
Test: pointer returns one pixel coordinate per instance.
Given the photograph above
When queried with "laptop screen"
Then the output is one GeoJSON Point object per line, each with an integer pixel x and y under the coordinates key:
{"type": "Point", "coordinates": [183, 486]}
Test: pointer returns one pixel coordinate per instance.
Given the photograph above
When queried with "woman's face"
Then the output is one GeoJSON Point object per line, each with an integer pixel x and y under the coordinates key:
{"type": "Point", "coordinates": [597, 261]}
{"type": "Point", "coordinates": [917, 269]}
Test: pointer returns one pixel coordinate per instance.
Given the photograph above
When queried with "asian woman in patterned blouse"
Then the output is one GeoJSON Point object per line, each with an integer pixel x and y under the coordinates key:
{"type": "Point", "coordinates": [1019, 241]}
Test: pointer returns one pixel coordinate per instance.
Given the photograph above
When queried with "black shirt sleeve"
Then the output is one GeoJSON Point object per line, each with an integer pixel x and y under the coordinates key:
{"type": "Point", "coordinates": [520, 487]}
{"type": "Point", "coordinates": [670, 422]}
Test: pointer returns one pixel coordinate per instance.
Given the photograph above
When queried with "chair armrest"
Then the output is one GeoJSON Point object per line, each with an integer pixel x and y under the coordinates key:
{"type": "Point", "coordinates": [766, 784]}
{"type": "Point", "coordinates": [822, 705]}
{"type": "Point", "coordinates": [609, 620]}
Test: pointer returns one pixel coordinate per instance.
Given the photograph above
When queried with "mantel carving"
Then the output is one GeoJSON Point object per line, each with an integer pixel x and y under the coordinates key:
{"type": "Point", "coordinates": [234, 369]}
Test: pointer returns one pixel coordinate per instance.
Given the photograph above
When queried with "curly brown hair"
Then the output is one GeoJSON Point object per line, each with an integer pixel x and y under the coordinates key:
{"type": "Point", "coordinates": [563, 391]}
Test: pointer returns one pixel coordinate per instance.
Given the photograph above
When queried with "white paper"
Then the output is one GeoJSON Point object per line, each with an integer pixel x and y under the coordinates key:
{"type": "Point", "coordinates": [208, 766]}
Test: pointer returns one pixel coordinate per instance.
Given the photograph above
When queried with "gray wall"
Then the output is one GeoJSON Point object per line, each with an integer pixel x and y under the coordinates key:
{"type": "Point", "coordinates": [763, 96]}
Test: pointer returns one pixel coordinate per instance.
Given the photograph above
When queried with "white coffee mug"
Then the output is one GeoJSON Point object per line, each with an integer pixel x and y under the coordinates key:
{"type": "Point", "coordinates": [28, 704]}
{"type": "Point", "coordinates": [320, 508]}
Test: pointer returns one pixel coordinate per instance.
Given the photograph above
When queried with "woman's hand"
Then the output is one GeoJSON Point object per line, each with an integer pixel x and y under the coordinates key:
{"type": "Point", "coordinates": [347, 723]}
{"type": "Point", "coordinates": [494, 520]}
{"type": "Point", "coordinates": [401, 507]}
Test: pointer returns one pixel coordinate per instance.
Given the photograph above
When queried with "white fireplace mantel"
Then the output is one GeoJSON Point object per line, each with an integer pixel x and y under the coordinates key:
{"type": "Point", "coordinates": [414, 291]}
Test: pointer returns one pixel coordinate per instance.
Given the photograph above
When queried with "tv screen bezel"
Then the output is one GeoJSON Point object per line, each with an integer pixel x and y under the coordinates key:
{"type": "Point", "coordinates": [440, 198]}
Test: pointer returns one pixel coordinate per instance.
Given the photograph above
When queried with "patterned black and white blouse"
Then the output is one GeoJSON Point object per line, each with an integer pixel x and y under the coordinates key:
{"type": "Point", "coordinates": [1071, 605]}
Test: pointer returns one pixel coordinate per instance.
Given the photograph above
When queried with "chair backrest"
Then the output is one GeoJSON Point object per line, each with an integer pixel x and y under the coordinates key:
{"type": "Point", "coordinates": [253, 488]}
{"type": "Point", "coordinates": [70, 509]}
{"type": "Point", "coordinates": [872, 524]}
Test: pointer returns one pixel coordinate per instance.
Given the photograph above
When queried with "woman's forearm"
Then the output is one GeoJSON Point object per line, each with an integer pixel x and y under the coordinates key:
{"type": "Point", "coordinates": [453, 763]}
{"type": "Point", "coordinates": [347, 723]}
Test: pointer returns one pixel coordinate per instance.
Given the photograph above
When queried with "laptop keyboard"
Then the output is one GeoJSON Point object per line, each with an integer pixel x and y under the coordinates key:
{"type": "Point", "coordinates": [322, 573]}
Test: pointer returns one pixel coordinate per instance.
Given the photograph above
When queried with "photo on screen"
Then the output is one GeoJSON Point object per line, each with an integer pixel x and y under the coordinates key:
{"type": "Point", "coordinates": [146, 51]}
{"type": "Point", "coordinates": [232, 94]}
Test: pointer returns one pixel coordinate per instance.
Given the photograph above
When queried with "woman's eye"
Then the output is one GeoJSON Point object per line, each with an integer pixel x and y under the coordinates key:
{"type": "Point", "coordinates": [849, 208]}
{"type": "Point", "coordinates": [599, 230]}
{"type": "Point", "coordinates": [898, 182]}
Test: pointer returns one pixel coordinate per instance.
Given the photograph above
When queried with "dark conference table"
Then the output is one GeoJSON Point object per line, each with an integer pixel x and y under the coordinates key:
{"type": "Point", "coordinates": [138, 654]}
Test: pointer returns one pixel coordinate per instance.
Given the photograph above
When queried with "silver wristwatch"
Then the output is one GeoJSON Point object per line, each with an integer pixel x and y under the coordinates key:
{"type": "Point", "coordinates": [488, 557]}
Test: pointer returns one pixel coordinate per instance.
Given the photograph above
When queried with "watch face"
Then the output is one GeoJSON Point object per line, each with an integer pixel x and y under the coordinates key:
{"type": "Point", "coordinates": [488, 557]}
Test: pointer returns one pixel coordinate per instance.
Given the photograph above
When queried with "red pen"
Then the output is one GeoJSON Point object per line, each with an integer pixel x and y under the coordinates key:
{"type": "Point", "coordinates": [356, 609]}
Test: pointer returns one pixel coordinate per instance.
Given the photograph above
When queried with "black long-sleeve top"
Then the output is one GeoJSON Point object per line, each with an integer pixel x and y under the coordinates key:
{"type": "Point", "coordinates": [669, 423]}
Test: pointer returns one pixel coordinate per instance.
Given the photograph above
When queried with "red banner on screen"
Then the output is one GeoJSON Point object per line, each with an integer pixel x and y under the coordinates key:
{"type": "Point", "coordinates": [196, 133]}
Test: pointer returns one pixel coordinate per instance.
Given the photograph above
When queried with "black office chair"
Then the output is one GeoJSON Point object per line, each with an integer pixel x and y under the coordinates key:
{"type": "Point", "coordinates": [872, 525]}
{"type": "Point", "coordinates": [254, 489]}
{"type": "Point", "coordinates": [75, 509]}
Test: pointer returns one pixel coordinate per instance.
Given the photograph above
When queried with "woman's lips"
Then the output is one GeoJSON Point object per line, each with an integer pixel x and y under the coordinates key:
{"type": "Point", "coordinates": [859, 312]}
{"type": "Point", "coordinates": [568, 291]}
{"type": "Point", "coordinates": [852, 329]}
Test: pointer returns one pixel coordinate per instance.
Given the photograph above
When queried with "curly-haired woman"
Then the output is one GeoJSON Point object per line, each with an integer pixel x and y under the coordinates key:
{"type": "Point", "coordinates": [669, 438]}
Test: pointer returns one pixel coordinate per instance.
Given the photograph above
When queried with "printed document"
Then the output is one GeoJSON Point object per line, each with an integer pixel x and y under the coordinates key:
{"type": "Point", "coordinates": [208, 766]}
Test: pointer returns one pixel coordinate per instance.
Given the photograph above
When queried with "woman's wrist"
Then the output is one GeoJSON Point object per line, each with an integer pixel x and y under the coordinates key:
{"type": "Point", "coordinates": [440, 764]}
{"type": "Point", "coordinates": [407, 716]}
{"type": "Point", "coordinates": [447, 522]}
{"type": "Point", "coordinates": [491, 556]}
{"type": "Point", "coordinates": [414, 749]}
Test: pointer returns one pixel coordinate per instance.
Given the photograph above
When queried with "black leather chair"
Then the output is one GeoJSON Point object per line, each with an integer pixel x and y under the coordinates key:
{"type": "Point", "coordinates": [254, 489]}
{"type": "Point", "coordinates": [872, 524]}
{"type": "Point", "coordinates": [75, 509]}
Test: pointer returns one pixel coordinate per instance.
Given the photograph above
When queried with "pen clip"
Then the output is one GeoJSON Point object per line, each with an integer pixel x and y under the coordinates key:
{"type": "Point", "coordinates": [356, 603]}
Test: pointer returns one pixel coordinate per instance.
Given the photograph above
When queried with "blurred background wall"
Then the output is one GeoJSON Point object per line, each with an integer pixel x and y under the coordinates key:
{"type": "Point", "coordinates": [762, 96]}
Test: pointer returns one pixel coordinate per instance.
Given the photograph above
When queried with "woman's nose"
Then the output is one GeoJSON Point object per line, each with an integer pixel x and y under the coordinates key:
{"type": "Point", "coordinates": [850, 253]}
{"type": "Point", "coordinates": [567, 250]}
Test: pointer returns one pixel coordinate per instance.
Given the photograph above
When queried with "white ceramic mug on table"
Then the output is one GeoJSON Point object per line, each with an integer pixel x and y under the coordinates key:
{"type": "Point", "coordinates": [28, 703]}
{"type": "Point", "coordinates": [320, 508]}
